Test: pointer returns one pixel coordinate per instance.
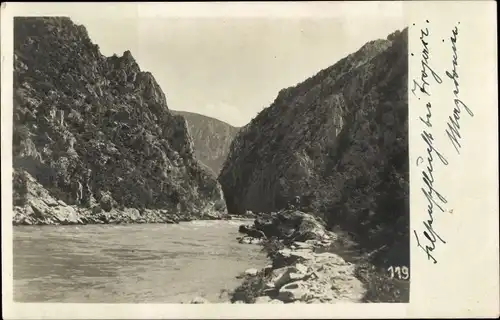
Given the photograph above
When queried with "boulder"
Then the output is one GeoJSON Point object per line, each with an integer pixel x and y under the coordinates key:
{"type": "Point", "coordinates": [132, 214]}
{"type": "Point", "coordinates": [211, 215]}
{"type": "Point", "coordinates": [107, 202]}
{"type": "Point", "coordinates": [289, 274]}
{"type": "Point", "coordinates": [290, 224]}
{"type": "Point", "coordinates": [250, 240]}
{"type": "Point", "coordinates": [65, 215]}
{"type": "Point", "coordinates": [251, 231]}
{"type": "Point", "coordinates": [39, 208]}
{"type": "Point", "coordinates": [301, 268]}
{"type": "Point", "coordinates": [293, 291]}
{"type": "Point", "coordinates": [251, 272]}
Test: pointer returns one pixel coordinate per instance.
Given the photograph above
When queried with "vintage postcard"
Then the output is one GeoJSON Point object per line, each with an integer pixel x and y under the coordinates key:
{"type": "Point", "coordinates": [193, 160]}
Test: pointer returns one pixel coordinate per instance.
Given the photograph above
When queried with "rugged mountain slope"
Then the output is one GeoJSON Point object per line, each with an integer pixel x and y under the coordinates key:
{"type": "Point", "coordinates": [89, 127]}
{"type": "Point", "coordinates": [338, 141]}
{"type": "Point", "coordinates": [211, 137]}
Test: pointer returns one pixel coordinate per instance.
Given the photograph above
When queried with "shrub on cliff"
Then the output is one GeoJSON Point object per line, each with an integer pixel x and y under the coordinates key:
{"type": "Point", "coordinates": [20, 188]}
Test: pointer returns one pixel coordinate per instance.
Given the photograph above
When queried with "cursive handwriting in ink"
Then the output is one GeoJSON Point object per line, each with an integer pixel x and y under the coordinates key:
{"type": "Point", "coordinates": [427, 238]}
{"type": "Point", "coordinates": [425, 67]}
{"type": "Point", "coordinates": [453, 131]}
{"type": "Point", "coordinates": [434, 197]}
{"type": "Point", "coordinates": [427, 120]}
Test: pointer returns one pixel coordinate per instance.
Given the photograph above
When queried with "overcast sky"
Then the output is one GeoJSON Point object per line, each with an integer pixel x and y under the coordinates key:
{"type": "Point", "coordinates": [223, 67]}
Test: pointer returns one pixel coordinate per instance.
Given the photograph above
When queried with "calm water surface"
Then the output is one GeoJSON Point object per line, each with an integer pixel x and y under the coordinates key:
{"type": "Point", "coordinates": [130, 263]}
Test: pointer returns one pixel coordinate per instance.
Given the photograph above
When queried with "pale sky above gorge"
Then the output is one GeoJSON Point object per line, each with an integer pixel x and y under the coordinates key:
{"type": "Point", "coordinates": [226, 67]}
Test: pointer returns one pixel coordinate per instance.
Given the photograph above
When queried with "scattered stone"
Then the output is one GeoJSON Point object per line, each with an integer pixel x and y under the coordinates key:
{"type": "Point", "coordinates": [250, 240]}
{"type": "Point", "coordinates": [251, 272]}
{"type": "Point", "coordinates": [199, 300]}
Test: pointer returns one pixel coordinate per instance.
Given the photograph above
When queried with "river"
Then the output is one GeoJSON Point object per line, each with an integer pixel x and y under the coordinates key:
{"type": "Point", "coordinates": [141, 263]}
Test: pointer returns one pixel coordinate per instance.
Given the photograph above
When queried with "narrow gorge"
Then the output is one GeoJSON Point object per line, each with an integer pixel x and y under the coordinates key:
{"type": "Point", "coordinates": [322, 172]}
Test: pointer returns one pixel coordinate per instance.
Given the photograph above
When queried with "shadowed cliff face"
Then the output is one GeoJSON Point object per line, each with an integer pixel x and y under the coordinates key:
{"type": "Point", "coordinates": [99, 124]}
{"type": "Point", "coordinates": [338, 141]}
{"type": "Point", "coordinates": [211, 137]}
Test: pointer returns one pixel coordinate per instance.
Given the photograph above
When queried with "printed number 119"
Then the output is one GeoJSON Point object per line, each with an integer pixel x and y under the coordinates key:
{"type": "Point", "coordinates": [399, 272]}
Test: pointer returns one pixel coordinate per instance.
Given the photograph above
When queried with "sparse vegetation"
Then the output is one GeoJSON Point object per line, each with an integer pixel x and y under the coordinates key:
{"type": "Point", "coordinates": [251, 288]}
{"type": "Point", "coordinates": [271, 247]}
{"type": "Point", "coordinates": [380, 287]}
{"type": "Point", "coordinates": [20, 188]}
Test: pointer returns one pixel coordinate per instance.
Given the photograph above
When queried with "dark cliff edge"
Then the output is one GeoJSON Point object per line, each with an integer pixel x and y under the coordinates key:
{"type": "Point", "coordinates": [211, 137]}
{"type": "Point", "coordinates": [335, 145]}
{"type": "Point", "coordinates": [96, 134]}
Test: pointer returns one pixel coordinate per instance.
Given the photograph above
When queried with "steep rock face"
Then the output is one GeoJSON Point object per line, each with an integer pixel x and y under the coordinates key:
{"type": "Point", "coordinates": [89, 127]}
{"type": "Point", "coordinates": [338, 141]}
{"type": "Point", "coordinates": [211, 137]}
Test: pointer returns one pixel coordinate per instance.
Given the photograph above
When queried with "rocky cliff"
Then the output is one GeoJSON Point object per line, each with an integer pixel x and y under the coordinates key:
{"type": "Point", "coordinates": [335, 145]}
{"type": "Point", "coordinates": [97, 130]}
{"type": "Point", "coordinates": [211, 137]}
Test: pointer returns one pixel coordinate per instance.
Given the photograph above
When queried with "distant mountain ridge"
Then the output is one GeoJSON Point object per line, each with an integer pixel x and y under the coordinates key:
{"type": "Point", "coordinates": [211, 138]}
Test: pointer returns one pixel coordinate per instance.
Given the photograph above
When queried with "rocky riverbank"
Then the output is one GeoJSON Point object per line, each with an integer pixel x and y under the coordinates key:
{"type": "Point", "coordinates": [39, 207]}
{"type": "Point", "coordinates": [302, 269]}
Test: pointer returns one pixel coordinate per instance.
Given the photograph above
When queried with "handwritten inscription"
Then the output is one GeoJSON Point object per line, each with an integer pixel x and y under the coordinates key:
{"type": "Point", "coordinates": [453, 131]}
{"type": "Point", "coordinates": [428, 238]}
{"type": "Point", "coordinates": [424, 84]}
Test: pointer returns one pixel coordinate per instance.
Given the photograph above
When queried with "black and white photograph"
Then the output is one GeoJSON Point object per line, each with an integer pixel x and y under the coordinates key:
{"type": "Point", "coordinates": [213, 160]}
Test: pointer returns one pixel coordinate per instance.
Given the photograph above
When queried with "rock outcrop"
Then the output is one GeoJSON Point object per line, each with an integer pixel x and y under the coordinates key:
{"type": "Point", "coordinates": [39, 207]}
{"type": "Point", "coordinates": [338, 141]}
{"type": "Point", "coordinates": [97, 131]}
{"type": "Point", "coordinates": [288, 225]}
{"type": "Point", "coordinates": [211, 137]}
